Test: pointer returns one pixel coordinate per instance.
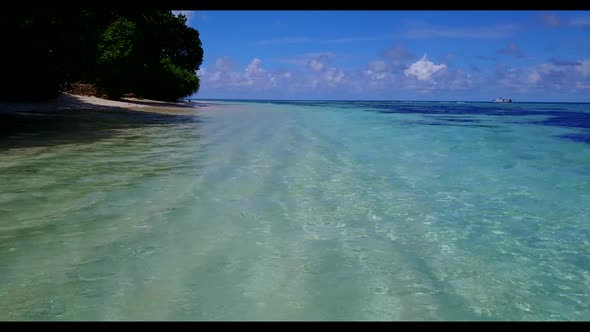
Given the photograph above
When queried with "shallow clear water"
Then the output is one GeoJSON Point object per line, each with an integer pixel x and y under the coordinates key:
{"type": "Point", "coordinates": [298, 211]}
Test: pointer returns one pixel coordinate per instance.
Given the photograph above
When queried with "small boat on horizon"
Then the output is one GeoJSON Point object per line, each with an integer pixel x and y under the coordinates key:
{"type": "Point", "coordinates": [502, 100]}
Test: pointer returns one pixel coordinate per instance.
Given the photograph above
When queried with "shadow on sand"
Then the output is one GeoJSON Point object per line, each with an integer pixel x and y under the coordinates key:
{"type": "Point", "coordinates": [69, 120]}
{"type": "Point", "coordinates": [158, 104]}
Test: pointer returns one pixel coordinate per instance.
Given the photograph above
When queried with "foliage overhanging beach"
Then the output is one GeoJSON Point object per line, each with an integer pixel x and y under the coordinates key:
{"type": "Point", "coordinates": [143, 53]}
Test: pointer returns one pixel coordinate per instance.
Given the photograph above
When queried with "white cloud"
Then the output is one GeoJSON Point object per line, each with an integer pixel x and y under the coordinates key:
{"type": "Point", "coordinates": [315, 65]}
{"type": "Point", "coordinates": [461, 80]}
{"type": "Point", "coordinates": [423, 69]}
{"type": "Point", "coordinates": [314, 84]}
{"type": "Point", "coordinates": [421, 76]}
{"type": "Point", "coordinates": [312, 78]}
{"type": "Point", "coordinates": [186, 13]}
{"type": "Point", "coordinates": [558, 75]}
{"type": "Point", "coordinates": [390, 75]}
{"type": "Point", "coordinates": [334, 76]}
{"type": "Point", "coordinates": [191, 15]}
{"type": "Point", "coordinates": [222, 75]}
{"type": "Point", "coordinates": [533, 77]}
{"type": "Point", "coordinates": [512, 78]}
{"type": "Point", "coordinates": [377, 66]}
{"type": "Point", "coordinates": [253, 69]}
{"type": "Point", "coordinates": [583, 68]}
{"type": "Point", "coordinates": [254, 74]}
{"type": "Point", "coordinates": [223, 64]}
{"type": "Point", "coordinates": [316, 77]}
{"type": "Point", "coordinates": [378, 74]}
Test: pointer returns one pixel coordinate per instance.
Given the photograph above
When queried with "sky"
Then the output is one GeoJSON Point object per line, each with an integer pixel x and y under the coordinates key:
{"type": "Point", "coordinates": [394, 55]}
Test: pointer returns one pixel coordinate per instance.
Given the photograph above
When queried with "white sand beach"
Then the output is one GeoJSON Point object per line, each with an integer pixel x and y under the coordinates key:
{"type": "Point", "coordinates": [70, 102]}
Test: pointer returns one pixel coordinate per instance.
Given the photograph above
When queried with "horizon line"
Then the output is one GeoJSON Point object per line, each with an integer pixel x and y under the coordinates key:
{"type": "Point", "coordinates": [392, 100]}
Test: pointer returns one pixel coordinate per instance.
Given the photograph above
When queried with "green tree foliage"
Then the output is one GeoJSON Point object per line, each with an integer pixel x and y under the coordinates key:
{"type": "Point", "coordinates": [118, 58]}
{"type": "Point", "coordinates": [151, 53]}
{"type": "Point", "coordinates": [174, 82]}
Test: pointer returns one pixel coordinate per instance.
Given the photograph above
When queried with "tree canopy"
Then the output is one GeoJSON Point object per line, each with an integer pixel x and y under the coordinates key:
{"type": "Point", "coordinates": [150, 53]}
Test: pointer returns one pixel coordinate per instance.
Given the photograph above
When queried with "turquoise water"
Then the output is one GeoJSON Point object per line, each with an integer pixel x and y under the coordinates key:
{"type": "Point", "coordinates": [298, 211]}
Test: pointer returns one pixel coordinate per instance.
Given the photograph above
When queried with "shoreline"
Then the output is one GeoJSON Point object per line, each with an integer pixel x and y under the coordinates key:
{"type": "Point", "coordinates": [71, 102]}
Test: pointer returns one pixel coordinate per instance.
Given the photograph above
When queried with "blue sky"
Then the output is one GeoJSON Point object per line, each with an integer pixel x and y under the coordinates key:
{"type": "Point", "coordinates": [394, 55]}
